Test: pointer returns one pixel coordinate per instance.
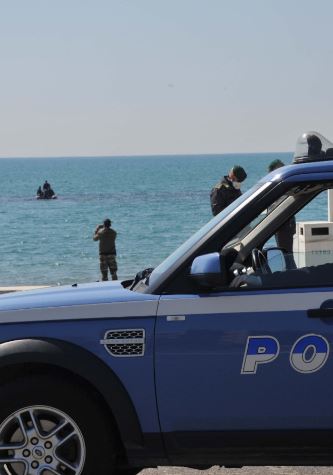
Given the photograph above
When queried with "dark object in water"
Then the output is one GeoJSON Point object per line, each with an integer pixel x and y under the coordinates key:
{"type": "Point", "coordinates": [46, 194]}
{"type": "Point", "coordinates": [40, 197]}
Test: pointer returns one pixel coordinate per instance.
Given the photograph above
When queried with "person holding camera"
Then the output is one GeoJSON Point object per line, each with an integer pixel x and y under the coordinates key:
{"type": "Point", "coordinates": [107, 249]}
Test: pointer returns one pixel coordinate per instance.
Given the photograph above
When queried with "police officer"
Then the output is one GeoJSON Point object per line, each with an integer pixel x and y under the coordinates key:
{"type": "Point", "coordinates": [227, 190]}
{"type": "Point", "coordinates": [107, 249]}
{"type": "Point", "coordinates": [284, 236]}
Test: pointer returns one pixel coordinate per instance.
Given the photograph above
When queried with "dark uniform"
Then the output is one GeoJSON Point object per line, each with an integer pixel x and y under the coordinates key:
{"type": "Point", "coordinates": [285, 235]}
{"type": "Point", "coordinates": [313, 275]}
{"type": "Point", "coordinates": [107, 251]}
{"type": "Point", "coordinates": [222, 194]}
{"type": "Point", "coordinates": [303, 276]}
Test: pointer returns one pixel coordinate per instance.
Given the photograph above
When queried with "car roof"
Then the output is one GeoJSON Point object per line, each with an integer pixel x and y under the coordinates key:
{"type": "Point", "coordinates": [294, 170]}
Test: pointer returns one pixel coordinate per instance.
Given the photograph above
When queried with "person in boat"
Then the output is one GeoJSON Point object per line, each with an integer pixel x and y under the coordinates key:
{"type": "Point", "coordinates": [49, 193]}
{"type": "Point", "coordinates": [46, 186]}
{"type": "Point", "coordinates": [40, 192]}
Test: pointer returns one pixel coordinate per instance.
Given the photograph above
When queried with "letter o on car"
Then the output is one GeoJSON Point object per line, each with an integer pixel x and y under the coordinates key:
{"type": "Point", "coordinates": [309, 353]}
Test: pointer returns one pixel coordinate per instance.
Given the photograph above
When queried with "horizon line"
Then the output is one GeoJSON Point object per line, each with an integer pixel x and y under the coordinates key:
{"type": "Point", "coordinates": [150, 155]}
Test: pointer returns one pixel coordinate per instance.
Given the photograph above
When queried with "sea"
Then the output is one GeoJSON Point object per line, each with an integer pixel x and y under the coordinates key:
{"type": "Point", "coordinates": [155, 203]}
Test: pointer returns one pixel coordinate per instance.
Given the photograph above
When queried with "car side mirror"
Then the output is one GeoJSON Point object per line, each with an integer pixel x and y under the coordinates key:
{"type": "Point", "coordinates": [206, 270]}
{"type": "Point", "coordinates": [276, 259]}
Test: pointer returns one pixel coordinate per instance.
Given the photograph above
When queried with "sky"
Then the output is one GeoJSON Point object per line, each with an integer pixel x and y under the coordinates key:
{"type": "Point", "coordinates": [145, 77]}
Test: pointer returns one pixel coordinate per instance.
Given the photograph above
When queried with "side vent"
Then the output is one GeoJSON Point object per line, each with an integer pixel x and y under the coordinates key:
{"type": "Point", "coordinates": [123, 343]}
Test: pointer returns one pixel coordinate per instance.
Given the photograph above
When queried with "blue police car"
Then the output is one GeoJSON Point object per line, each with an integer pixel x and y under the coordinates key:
{"type": "Point", "coordinates": [220, 355]}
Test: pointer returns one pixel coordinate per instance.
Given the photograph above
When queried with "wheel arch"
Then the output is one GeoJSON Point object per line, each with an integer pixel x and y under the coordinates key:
{"type": "Point", "coordinates": [20, 356]}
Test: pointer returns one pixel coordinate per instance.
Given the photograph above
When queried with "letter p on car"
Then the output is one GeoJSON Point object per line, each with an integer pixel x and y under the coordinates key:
{"type": "Point", "coordinates": [259, 350]}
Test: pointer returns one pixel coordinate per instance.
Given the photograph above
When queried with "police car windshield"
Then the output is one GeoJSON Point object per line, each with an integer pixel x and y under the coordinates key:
{"type": "Point", "coordinates": [185, 249]}
{"type": "Point", "coordinates": [254, 223]}
{"type": "Point", "coordinates": [246, 230]}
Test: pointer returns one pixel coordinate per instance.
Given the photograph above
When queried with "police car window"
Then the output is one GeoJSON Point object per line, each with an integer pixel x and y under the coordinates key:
{"type": "Point", "coordinates": [313, 240]}
{"type": "Point", "coordinates": [300, 193]}
{"type": "Point", "coordinates": [188, 245]}
{"type": "Point", "coordinates": [309, 262]}
{"type": "Point", "coordinates": [255, 222]}
{"type": "Point", "coordinates": [316, 210]}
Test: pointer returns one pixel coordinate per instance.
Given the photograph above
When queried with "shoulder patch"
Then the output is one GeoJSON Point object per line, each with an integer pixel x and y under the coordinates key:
{"type": "Point", "coordinates": [220, 185]}
{"type": "Point", "coordinates": [225, 185]}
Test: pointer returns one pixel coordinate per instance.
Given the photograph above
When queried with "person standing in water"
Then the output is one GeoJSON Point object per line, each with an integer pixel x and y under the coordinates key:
{"type": "Point", "coordinates": [107, 249]}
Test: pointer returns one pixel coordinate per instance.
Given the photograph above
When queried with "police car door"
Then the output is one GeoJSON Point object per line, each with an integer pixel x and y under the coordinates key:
{"type": "Point", "coordinates": [239, 370]}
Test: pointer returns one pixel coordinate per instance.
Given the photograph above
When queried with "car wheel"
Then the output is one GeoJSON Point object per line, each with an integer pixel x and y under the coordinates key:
{"type": "Point", "coordinates": [53, 427]}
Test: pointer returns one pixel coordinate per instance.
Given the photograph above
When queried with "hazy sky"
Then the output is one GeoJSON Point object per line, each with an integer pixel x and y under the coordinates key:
{"type": "Point", "coordinates": [128, 77]}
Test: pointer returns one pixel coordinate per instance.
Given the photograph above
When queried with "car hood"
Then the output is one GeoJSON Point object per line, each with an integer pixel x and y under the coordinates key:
{"type": "Point", "coordinates": [68, 295]}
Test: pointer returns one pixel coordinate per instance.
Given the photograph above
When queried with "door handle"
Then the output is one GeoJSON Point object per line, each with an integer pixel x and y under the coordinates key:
{"type": "Point", "coordinates": [175, 318]}
{"type": "Point", "coordinates": [320, 313]}
{"type": "Point", "coordinates": [325, 310]}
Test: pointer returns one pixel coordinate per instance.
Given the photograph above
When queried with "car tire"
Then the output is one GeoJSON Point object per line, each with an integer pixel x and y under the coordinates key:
{"type": "Point", "coordinates": [57, 425]}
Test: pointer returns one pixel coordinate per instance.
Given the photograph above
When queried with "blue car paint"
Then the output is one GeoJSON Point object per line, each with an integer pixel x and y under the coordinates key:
{"type": "Point", "coordinates": [310, 171]}
{"type": "Point", "coordinates": [136, 374]}
{"type": "Point", "coordinates": [83, 294]}
{"type": "Point", "coordinates": [199, 380]}
{"type": "Point", "coordinates": [209, 263]}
